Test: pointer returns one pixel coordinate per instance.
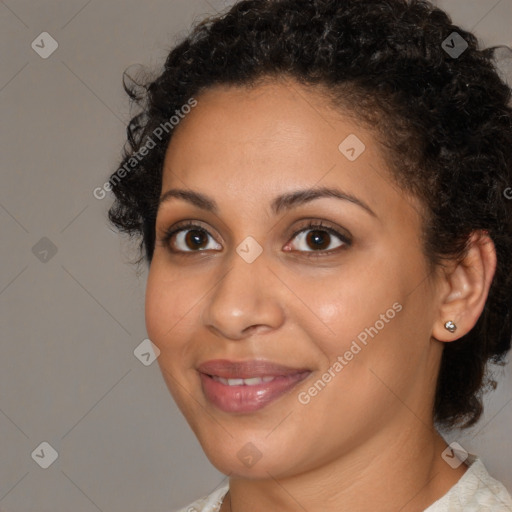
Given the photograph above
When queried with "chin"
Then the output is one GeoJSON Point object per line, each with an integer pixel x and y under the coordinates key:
{"type": "Point", "coordinates": [250, 458]}
{"type": "Point", "coordinates": [230, 465]}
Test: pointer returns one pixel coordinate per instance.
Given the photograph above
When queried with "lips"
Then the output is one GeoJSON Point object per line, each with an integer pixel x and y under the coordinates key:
{"type": "Point", "coordinates": [247, 386]}
{"type": "Point", "coordinates": [246, 369]}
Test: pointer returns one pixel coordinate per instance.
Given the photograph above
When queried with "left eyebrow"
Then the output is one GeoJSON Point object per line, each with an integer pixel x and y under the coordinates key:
{"type": "Point", "coordinates": [285, 201]}
{"type": "Point", "coordinates": [299, 197]}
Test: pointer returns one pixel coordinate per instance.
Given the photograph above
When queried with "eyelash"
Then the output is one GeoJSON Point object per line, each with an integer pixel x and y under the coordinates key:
{"type": "Point", "coordinates": [311, 225]}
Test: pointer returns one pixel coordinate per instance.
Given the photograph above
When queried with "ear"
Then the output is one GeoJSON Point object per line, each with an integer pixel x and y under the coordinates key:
{"type": "Point", "coordinates": [465, 287]}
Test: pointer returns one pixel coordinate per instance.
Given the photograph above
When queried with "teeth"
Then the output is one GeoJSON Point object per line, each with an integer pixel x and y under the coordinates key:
{"type": "Point", "coordinates": [235, 382]}
{"type": "Point", "coordinates": [254, 381]}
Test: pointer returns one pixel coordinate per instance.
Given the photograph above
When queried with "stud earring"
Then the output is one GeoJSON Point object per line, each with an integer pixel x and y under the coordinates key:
{"type": "Point", "coordinates": [450, 326]}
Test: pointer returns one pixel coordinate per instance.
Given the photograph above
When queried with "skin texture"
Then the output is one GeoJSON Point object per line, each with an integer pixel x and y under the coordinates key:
{"type": "Point", "coordinates": [366, 441]}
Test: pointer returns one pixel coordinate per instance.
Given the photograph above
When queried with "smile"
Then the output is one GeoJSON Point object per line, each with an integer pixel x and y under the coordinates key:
{"type": "Point", "coordinates": [247, 386]}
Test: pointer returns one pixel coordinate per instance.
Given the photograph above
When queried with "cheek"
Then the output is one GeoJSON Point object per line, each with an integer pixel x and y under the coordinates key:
{"type": "Point", "coordinates": [371, 312]}
{"type": "Point", "coordinates": [156, 304]}
{"type": "Point", "coordinates": [168, 306]}
{"type": "Point", "coordinates": [170, 317]}
{"type": "Point", "coordinates": [351, 302]}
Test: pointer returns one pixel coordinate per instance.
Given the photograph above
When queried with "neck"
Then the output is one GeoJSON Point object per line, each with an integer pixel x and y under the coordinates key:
{"type": "Point", "coordinates": [406, 474]}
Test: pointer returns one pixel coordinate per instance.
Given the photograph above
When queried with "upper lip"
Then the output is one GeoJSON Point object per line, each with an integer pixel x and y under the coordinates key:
{"type": "Point", "coordinates": [246, 369]}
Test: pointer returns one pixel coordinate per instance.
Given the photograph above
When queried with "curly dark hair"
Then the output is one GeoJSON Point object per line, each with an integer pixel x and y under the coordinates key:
{"type": "Point", "coordinates": [444, 122]}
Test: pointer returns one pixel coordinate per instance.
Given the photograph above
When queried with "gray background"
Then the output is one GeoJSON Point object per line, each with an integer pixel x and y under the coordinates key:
{"type": "Point", "coordinates": [70, 324]}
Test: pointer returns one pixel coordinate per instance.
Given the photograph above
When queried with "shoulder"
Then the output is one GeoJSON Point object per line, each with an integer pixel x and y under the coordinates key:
{"type": "Point", "coordinates": [210, 503]}
{"type": "Point", "coordinates": [476, 491]}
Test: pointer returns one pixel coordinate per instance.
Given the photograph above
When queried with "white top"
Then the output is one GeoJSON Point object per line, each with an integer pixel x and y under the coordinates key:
{"type": "Point", "coordinates": [476, 491]}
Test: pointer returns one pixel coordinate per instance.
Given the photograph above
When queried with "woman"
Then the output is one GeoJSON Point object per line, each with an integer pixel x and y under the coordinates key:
{"type": "Point", "coordinates": [320, 187]}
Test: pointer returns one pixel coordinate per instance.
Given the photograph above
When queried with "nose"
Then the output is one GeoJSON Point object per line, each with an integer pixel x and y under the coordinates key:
{"type": "Point", "coordinates": [247, 299]}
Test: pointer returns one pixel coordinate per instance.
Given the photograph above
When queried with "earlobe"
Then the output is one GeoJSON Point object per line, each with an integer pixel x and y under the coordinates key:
{"type": "Point", "coordinates": [466, 289]}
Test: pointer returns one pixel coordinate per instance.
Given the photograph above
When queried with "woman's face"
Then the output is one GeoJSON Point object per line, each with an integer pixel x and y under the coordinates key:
{"type": "Point", "coordinates": [331, 324]}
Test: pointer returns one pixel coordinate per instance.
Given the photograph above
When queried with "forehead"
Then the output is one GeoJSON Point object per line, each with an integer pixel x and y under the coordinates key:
{"type": "Point", "coordinates": [255, 143]}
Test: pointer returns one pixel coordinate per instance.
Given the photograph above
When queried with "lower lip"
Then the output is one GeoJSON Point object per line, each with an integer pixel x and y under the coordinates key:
{"type": "Point", "coordinates": [248, 398]}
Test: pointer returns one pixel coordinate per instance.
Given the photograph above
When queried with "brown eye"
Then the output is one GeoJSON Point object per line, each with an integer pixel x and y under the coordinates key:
{"type": "Point", "coordinates": [188, 239]}
{"type": "Point", "coordinates": [195, 239]}
{"type": "Point", "coordinates": [318, 239]}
